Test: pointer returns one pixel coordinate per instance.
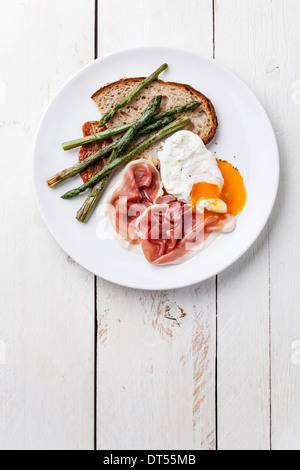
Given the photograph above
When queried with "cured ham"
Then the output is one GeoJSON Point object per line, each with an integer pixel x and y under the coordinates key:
{"type": "Point", "coordinates": [170, 231]}
{"type": "Point", "coordinates": [140, 186]}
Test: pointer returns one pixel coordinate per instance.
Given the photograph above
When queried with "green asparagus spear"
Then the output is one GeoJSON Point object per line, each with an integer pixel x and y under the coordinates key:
{"type": "Point", "coordinates": [190, 106]}
{"type": "Point", "coordinates": [79, 166]}
{"type": "Point", "coordinates": [100, 154]}
{"type": "Point", "coordinates": [94, 196]}
{"type": "Point", "coordinates": [89, 204]}
{"type": "Point", "coordinates": [109, 167]}
{"type": "Point", "coordinates": [72, 144]}
{"type": "Point", "coordinates": [153, 126]}
{"type": "Point", "coordinates": [112, 112]}
{"type": "Point", "coordinates": [119, 130]}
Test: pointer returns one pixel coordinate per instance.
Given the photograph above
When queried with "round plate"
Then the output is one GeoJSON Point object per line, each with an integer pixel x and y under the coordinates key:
{"type": "Point", "coordinates": [245, 138]}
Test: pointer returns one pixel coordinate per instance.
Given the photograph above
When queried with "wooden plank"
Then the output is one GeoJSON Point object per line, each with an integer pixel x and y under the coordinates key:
{"type": "Point", "coordinates": [241, 29]}
{"type": "Point", "coordinates": [47, 313]}
{"type": "Point", "coordinates": [156, 351]}
{"type": "Point", "coordinates": [281, 80]}
{"type": "Point", "coordinates": [155, 368]}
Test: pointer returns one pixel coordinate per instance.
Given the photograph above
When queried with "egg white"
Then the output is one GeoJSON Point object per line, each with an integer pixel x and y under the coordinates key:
{"type": "Point", "coordinates": [184, 162]}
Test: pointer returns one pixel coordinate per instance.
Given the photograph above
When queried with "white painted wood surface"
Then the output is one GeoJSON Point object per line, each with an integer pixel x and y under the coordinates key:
{"type": "Point", "coordinates": [156, 352]}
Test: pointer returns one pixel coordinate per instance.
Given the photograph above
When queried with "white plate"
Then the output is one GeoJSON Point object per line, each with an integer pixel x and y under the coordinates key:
{"type": "Point", "coordinates": [245, 138]}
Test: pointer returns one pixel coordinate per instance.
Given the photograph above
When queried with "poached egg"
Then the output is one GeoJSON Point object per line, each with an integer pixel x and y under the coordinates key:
{"type": "Point", "coordinates": [192, 174]}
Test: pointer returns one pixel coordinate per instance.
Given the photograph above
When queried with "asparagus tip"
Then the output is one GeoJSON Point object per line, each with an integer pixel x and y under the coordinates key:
{"type": "Point", "coordinates": [66, 195]}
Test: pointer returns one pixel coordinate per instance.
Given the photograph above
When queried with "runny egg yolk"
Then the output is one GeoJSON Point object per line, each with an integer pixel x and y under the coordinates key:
{"type": "Point", "coordinates": [233, 192]}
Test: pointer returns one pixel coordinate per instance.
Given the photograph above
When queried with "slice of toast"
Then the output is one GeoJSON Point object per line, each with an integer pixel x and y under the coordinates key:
{"type": "Point", "coordinates": [204, 119]}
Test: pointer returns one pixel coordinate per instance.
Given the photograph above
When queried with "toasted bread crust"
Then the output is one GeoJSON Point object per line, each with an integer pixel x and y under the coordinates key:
{"type": "Point", "coordinates": [206, 104]}
{"type": "Point", "coordinates": [89, 128]}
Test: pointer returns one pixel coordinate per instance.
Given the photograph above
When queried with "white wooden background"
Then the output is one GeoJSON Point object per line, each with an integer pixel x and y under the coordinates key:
{"type": "Point", "coordinates": [213, 366]}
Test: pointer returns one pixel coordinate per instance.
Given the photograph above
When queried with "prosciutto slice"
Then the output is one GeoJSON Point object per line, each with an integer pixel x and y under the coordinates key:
{"type": "Point", "coordinates": [139, 188]}
{"type": "Point", "coordinates": [170, 231]}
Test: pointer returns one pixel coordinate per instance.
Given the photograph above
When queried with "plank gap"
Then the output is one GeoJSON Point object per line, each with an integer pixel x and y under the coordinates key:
{"type": "Point", "coordinates": [216, 359]}
{"type": "Point", "coordinates": [95, 277]}
{"type": "Point", "coordinates": [214, 27]}
{"type": "Point", "coordinates": [96, 31]}
{"type": "Point", "coordinates": [216, 369]}
{"type": "Point", "coordinates": [95, 361]}
{"type": "Point", "coordinates": [270, 336]}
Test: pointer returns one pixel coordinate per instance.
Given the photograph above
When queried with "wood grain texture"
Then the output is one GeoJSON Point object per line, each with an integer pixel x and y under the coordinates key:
{"type": "Point", "coordinates": [156, 351]}
{"type": "Point", "coordinates": [46, 318]}
{"type": "Point", "coordinates": [155, 368]}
